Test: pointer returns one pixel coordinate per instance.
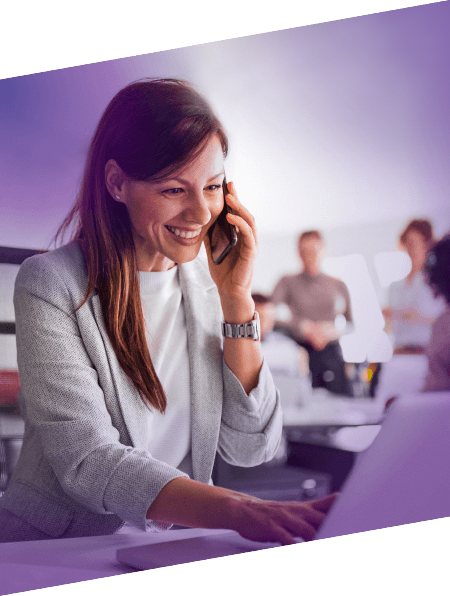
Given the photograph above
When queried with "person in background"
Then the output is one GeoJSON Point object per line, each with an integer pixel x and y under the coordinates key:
{"type": "Point", "coordinates": [281, 352]}
{"type": "Point", "coordinates": [437, 274]}
{"type": "Point", "coordinates": [316, 301]}
{"type": "Point", "coordinates": [412, 307]}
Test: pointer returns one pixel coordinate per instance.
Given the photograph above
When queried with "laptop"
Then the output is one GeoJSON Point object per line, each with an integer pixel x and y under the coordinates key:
{"type": "Point", "coordinates": [402, 478]}
{"type": "Point", "coordinates": [218, 543]}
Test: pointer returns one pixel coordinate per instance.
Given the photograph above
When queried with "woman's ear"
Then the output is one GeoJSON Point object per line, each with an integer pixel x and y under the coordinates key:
{"type": "Point", "coordinates": [114, 179]}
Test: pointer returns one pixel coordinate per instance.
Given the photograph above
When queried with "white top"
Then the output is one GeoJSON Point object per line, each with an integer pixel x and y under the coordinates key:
{"type": "Point", "coordinates": [417, 294]}
{"type": "Point", "coordinates": [169, 433]}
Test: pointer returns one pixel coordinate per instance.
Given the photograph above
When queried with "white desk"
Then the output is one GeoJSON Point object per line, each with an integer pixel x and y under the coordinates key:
{"type": "Point", "coordinates": [46, 563]}
{"type": "Point", "coordinates": [323, 409]}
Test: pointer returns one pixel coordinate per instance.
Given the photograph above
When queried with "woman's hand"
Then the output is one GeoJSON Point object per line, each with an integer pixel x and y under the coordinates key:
{"type": "Point", "coordinates": [388, 312]}
{"type": "Point", "coordinates": [233, 276]}
{"type": "Point", "coordinates": [196, 505]}
{"type": "Point", "coordinates": [272, 521]}
{"type": "Point", "coordinates": [414, 315]}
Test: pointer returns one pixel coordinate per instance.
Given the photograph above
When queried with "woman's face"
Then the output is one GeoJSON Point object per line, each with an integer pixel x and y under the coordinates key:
{"type": "Point", "coordinates": [416, 247]}
{"type": "Point", "coordinates": [170, 218]}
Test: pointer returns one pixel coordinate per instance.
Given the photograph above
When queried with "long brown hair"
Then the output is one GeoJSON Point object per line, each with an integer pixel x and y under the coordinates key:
{"type": "Point", "coordinates": [151, 128]}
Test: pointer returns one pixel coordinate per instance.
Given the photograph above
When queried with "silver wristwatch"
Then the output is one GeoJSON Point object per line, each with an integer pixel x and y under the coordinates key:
{"type": "Point", "coordinates": [249, 330]}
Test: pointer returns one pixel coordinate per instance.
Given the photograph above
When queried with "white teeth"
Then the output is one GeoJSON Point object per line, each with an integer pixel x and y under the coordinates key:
{"type": "Point", "coordinates": [183, 234]}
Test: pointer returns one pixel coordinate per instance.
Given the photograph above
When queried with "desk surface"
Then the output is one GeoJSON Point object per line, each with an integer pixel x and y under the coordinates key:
{"type": "Point", "coordinates": [326, 410]}
{"type": "Point", "coordinates": [46, 563]}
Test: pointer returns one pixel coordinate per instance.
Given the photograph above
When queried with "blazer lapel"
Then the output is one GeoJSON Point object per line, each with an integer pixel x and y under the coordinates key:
{"type": "Point", "coordinates": [203, 316]}
{"type": "Point", "coordinates": [132, 408]}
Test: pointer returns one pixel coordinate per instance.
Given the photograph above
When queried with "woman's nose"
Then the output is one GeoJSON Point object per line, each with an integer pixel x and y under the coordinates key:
{"type": "Point", "coordinates": [198, 210]}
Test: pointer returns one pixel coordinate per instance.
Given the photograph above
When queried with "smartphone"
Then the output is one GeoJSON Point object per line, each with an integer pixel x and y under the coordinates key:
{"type": "Point", "coordinates": [222, 235]}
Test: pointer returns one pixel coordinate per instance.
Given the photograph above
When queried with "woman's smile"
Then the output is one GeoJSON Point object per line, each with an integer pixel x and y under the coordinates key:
{"type": "Point", "coordinates": [170, 217]}
{"type": "Point", "coordinates": [181, 234]}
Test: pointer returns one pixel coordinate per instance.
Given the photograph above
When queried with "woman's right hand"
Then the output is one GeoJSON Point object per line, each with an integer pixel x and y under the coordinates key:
{"type": "Point", "coordinates": [194, 504]}
{"type": "Point", "coordinates": [273, 521]}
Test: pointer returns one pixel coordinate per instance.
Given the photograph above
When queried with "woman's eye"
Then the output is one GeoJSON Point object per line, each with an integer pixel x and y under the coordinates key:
{"type": "Point", "coordinates": [213, 187]}
{"type": "Point", "coordinates": [173, 191]}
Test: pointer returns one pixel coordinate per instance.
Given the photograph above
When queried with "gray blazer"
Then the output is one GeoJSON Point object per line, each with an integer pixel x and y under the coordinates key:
{"type": "Point", "coordinates": [84, 468]}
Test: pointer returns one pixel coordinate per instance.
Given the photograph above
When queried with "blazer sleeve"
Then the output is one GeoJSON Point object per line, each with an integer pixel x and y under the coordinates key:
{"type": "Point", "coordinates": [251, 427]}
{"type": "Point", "coordinates": [65, 405]}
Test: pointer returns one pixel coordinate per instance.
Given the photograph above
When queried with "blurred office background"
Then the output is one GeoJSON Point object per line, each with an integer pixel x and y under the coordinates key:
{"type": "Point", "coordinates": [342, 126]}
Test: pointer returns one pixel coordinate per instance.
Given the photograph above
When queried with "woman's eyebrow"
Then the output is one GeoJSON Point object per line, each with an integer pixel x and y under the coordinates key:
{"type": "Point", "coordinates": [217, 175]}
{"type": "Point", "coordinates": [183, 181]}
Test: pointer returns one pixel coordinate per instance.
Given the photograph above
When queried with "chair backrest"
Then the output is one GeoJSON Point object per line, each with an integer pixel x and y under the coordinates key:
{"type": "Point", "coordinates": [9, 387]}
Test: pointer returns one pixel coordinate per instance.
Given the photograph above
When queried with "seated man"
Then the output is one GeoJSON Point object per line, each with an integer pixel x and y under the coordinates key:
{"type": "Point", "coordinates": [315, 300]}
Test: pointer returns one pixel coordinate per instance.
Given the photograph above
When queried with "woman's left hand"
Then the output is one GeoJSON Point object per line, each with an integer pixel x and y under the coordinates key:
{"type": "Point", "coordinates": [234, 275]}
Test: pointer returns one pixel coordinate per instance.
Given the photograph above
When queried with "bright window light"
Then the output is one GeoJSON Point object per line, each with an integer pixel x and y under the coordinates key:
{"type": "Point", "coordinates": [340, 322]}
{"type": "Point", "coordinates": [354, 347]}
{"type": "Point", "coordinates": [368, 322]}
{"type": "Point", "coordinates": [391, 266]}
{"type": "Point", "coordinates": [381, 349]}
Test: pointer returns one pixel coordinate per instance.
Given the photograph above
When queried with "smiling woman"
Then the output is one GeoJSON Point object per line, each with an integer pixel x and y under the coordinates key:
{"type": "Point", "coordinates": [128, 388]}
{"type": "Point", "coordinates": [170, 217]}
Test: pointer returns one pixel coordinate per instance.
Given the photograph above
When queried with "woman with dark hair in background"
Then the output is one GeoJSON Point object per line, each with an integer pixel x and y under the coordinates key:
{"type": "Point", "coordinates": [437, 272]}
{"type": "Point", "coordinates": [128, 388]}
{"type": "Point", "coordinates": [412, 308]}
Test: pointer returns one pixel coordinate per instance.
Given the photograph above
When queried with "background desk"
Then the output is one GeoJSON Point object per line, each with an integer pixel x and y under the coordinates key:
{"type": "Point", "coordinates": [326, 410]}
{"type": "Point", "coordinates": [327, 433]}
{"type": "Point", "coordinates": [322, 439]}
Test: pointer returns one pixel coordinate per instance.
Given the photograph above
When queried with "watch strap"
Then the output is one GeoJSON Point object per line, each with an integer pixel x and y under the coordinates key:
{"type": "Point", "coordinates": [249, 330]}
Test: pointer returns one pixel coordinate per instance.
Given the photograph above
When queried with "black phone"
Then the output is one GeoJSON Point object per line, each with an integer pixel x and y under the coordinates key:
{"type": "Point", "coordinates": [222, 235]}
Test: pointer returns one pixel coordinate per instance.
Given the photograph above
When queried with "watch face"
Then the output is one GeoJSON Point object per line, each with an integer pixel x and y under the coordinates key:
{"type": "Point", "coordinates": [257, 326]}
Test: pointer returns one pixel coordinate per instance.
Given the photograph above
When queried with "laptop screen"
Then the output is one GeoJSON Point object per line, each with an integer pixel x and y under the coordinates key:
{"type": "Point", "coordinates": [404, 476]}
